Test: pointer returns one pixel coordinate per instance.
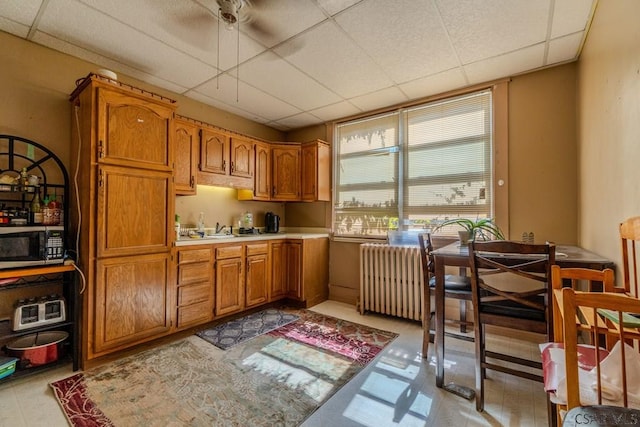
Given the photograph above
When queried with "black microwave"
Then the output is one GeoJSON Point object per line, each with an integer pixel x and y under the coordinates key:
{"type": "Point", "coordinates": [31, 246]}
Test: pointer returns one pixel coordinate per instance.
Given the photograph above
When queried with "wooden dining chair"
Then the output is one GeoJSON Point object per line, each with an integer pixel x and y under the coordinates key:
{"type": "Point", "coordinates": [455, 287]}
{"type": "Point", "coordinates": [510, 288]}
{"type": "Point", "coordinates": [630, 236]}
{"type": "Point", "coordinates": [608, 376]}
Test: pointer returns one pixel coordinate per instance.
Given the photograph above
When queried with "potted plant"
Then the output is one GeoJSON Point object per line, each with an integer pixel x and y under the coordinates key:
{"type": "Point", "coordinates": [483, 228]}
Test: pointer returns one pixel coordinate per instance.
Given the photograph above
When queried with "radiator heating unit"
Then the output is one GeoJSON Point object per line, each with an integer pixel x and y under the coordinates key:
{"type": "Point", "coordinates": [391, 280]}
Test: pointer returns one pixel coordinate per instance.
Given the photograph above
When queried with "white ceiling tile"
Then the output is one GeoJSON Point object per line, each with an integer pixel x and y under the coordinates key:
{"type": "Point", "coordinates": [382, 98]}
{"type": "Point", "coordinates": [113, 39]}
{"type": "Point", "coordinates": [482, 29]}
{"type": "Point", "coordinates": [285, 82]}
{"type": "Point", "coordinates": [13, 27]}
{"type": "Point", "coordinates": [226, 107]}
{"type": "Point", "coordinates": [406, 38]}
{"type": "Point", "coordinates": [334, 6]}
{"type": "Point", "coordinates": [186, 25]}
{"type": "Point", "coordinates": [22, 12]}
{"type": "Point", "coordinates": [279, 20]}
{"type": "Point", "coordinates": [331, 58]}
{"type": "Point", "coordinates": [437, 83]}
{"type": "Point", "coordinates": [505, 65]}
{"type": "Point", "coordinates": [570, 16]}
{"type": "Point", "coordinates": [299, 121]}
{"type": "Point", "coordinates": [336, 111]}
{"type": "Point", "coordinates": [564, 48]}
{"type": "Point", "coordinates": [248, 98]}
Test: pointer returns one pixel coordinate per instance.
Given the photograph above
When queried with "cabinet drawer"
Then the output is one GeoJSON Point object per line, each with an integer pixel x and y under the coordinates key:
{"type": "Point", "coordinates": [257, 248]}
{"type": "Point", "coordinates": [193, 273]}
{"type": "Point", "coordinates": [195, 314]}
{"type": "Point", "coordinates": [194, 293]}
{"type": "Point", "coordinates": [194, 255]}
{"type": "Point", "coordinates": [229, 252]}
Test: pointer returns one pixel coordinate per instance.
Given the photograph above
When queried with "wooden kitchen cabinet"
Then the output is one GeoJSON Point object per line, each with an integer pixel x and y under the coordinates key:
{"type": "Point", "coordinates": [278, 289]}
{"type": "Point", "coordinates": [257, 274]}
{"type": "Point", "coordinates": [226, 159]}
{"type": "Point", "coordinates": [293, 259]}
{"type": "Point", "coordinates": [124, 194]}
{"type": "Point", "coordinates": [306, 263]}
{"type": "Point", "coordinates": [131, 301]}
{"type": "Point", "coordinates": [316, 171]}
{"type": "Point", "coordinates": [187, 143]}
{"type": "Point", "coordinates": [285, 161]}
{"type": "Point", "coordinates": [229, 274]}
{"type": "Point", "coordinates": [262, 179]}
{"type": "Point", "coordinates": [194, 286]}
{"type": "Point", "coordinates": [132, 206]}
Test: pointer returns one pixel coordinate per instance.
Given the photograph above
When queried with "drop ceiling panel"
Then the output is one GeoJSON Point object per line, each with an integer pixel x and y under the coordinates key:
{"type": "Point", "coordinates": [409, 40]}
{"type": "Point", "coordinates": [93, 31]}
{"type": "Point", "coordinates": [286, 82]}
{"type": "Point", "coordinates": [299, 121]}
{"type": "Point", "coordinates": [561, 49]}
{"type": "Point", "coordinates": [379, 99]}
{"type": "Point", "coordinates": [480, 30]}
{"type": "Point", "coordinates": [281, 19]}
{"type": "Point", "coordinates": [334, 6]}
{"type": "Point", "coordinates": [13, 27]}
{"type": "Point", "coordinates": [333, 59]}
{"type": "Point", "coordinates": [188, 26]}
{"type": "Point", "coordinates": [437, 83]}
{"type": "Point", "coordinates": [336, 111]}
{"type": "Point", "coordinates": [248, 98]}
{"type": "Point", "coordinates": [571, 16]}
{"type": "Point", "coordinates": [512, 63]}
{"type": "Point", "coordinates": [21, 12]}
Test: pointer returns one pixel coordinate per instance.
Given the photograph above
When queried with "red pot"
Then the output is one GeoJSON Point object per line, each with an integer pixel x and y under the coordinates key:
{"type": "Point", "coordinates": [38, 349]}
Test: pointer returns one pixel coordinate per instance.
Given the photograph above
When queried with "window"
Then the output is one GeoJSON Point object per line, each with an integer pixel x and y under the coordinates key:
{"type": "Point", "coordinates": [414, 167]}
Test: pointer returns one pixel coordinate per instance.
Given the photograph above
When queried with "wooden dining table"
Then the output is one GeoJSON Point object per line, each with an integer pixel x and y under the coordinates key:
{"type": "Point", "coordinates": [457, 255]}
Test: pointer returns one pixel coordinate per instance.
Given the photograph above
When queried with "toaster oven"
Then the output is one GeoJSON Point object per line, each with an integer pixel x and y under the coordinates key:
{"type": "Point", "coordinates": [36, 312]}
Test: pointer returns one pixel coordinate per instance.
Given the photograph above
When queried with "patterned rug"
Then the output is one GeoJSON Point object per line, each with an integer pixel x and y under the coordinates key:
{"type": "Point", "coordinates": [275, 379]}
{"type": "Point", "coordinates": [233, 332]}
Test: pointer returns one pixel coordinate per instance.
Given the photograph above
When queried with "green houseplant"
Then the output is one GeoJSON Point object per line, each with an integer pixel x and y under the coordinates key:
{"type": "Point", "coordinates": [481, 228]}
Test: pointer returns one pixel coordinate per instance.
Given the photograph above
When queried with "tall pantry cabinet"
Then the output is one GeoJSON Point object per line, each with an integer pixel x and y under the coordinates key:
{"type": "Point", "coordinates": [123, 160]}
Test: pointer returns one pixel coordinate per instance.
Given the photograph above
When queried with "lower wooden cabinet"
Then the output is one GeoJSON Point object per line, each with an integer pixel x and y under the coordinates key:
{"type": "Point", "coordinates": [194, 287]}
{"type": "Point", "coordinates": [131, 301]}
{"type": "Point", "coordinates": [229, 287]}
{"type": "Point", "coordinates": [257, 274]}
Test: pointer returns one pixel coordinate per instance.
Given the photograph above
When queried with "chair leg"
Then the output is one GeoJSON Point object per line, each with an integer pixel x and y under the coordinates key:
{"type": "Point", "coordinates": [463, 316]}
{"type": "Point", "coordinates": [426, 319]}
{"type": "Point", "coordinates": [480, 371]}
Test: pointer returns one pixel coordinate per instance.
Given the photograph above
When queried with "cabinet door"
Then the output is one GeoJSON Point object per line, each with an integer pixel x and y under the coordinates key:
{"type": "Point", "coordinates": [257, 279]}
{"type": "Point", "coordinates": [229, 286]}
{"type": "Point", "coordinates": [133, 131]}
{"type": "Point", "coordinates": [131, 301]}
{"type": "Point", "coordinates": [133, 210]}
{"type": "Point", "coordinates": [316, 166]}
{"type": "Point", "coordinates": [214, 152]}
{"type": "Point", "coordinates": [262, 183]}
{"type": "Point", "coordinates": [293, 256]}
{"type": "Point", "coordinates": [286, 172]}
{"type": "Point", "coordinates": [186, 154]}
{"type": "Point", "coordinates": [278, 271]}
{"type": "Point", "coordinates": [241, 157]}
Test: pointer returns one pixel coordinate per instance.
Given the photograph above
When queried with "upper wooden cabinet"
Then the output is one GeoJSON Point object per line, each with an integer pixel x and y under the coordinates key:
{"type": "Point", "coordinates": [285, 172]}
{"type": "Point", "coordinates": [225, 159]}
{"type": "Point", "coordinates": [316, 168]}
{"type": "Point", "coordinates": [133, 131]}
{"type": "Point", "coordinates": [262, 178]}
{"type": "Point", "coordinates": [186, 140]}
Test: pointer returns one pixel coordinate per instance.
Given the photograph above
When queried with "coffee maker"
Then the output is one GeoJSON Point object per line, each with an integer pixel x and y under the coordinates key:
{"type": "Point", "coordinates": [271, 223]}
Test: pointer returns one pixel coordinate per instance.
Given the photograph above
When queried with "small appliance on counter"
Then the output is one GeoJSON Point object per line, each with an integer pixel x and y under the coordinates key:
{"type": "Point", "coordinates": [245, 224]}
{"type": "Point", "coordinates": [271, 223]}
{"type": "Point", "coordinates": [34, 312]}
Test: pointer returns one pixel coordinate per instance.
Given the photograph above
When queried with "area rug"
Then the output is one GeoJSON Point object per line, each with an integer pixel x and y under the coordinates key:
{"type": "Point", "coordinates": [233, 332]}
{"type": "Point", "coordinates": [275, 379]}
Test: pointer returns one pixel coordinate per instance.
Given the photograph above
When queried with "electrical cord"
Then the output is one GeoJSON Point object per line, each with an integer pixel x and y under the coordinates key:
{"type": "Point", "coordinates": [76, 108]}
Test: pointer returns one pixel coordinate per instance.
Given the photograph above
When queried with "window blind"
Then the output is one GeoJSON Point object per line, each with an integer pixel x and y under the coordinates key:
{"type": "Point", "coordinates": [414, 167]}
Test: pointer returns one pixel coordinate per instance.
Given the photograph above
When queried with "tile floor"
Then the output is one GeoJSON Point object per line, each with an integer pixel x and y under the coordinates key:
{"type": "Point", "coordinates": [396, 389]}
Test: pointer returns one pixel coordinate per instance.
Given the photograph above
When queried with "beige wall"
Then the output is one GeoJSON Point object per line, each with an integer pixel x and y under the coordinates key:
{"type": "Point", "coordinates": [609, 126]}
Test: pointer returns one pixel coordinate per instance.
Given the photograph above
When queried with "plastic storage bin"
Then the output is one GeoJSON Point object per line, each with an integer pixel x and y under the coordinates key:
{"type": "Point", "coordinates": [7, 366]}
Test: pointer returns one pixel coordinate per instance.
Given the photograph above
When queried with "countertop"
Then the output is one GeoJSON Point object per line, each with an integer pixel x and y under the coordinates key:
{"type": "Point", "coordinates": [187, 241]}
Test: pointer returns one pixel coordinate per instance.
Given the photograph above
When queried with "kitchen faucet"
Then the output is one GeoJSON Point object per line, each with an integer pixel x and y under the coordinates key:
{"type": "Point", "coordinates": [219, 229]}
